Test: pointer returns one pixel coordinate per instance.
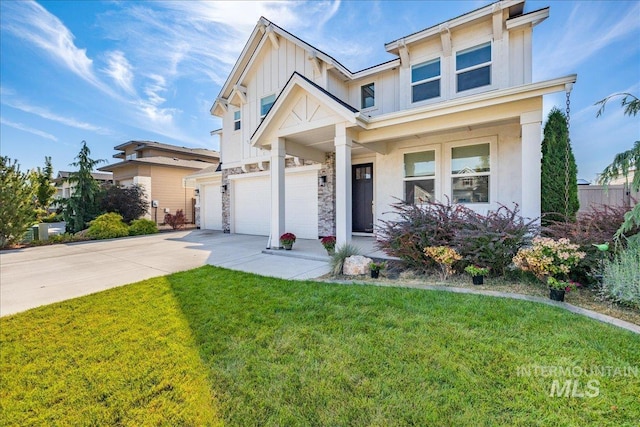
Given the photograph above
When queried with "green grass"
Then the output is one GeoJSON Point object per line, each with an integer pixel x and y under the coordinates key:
{"type": "Point", "coordinates": [213, 346]}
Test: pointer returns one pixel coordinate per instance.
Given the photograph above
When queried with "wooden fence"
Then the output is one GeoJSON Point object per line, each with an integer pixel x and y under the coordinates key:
{"type": "Point", "coordinates": [613, 195]}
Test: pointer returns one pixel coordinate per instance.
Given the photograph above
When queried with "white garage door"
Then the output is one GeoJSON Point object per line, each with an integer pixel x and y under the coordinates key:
{"type": "Point", "coordinates": [252, 205]}
{"type": "Point", "coordinates": [211, 207]}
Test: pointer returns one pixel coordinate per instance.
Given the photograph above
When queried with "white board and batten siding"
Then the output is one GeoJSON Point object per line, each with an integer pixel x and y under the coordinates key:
{"type": "Point", "coordinates": [251, 212]}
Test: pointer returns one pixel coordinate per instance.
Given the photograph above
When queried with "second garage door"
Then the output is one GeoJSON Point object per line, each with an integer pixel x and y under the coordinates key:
{"type": "Point", "coordinates": [252, 204]}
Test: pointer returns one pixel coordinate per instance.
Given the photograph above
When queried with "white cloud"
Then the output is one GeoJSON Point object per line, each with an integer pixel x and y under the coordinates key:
{"type": "Point", "coordinates": [120, 70]}
{"type": "Point", "coordinates": [33, 23]}
{"type": "Point", "coordinates": [26, 128]}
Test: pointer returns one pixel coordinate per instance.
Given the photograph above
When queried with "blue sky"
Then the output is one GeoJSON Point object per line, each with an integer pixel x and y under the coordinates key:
{"type": "Point", "coordinates": [109, 72]}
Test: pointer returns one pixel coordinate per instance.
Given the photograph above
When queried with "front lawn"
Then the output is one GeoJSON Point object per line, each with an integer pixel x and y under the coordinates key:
{"type": "Point", "coordinates": [212, 346]}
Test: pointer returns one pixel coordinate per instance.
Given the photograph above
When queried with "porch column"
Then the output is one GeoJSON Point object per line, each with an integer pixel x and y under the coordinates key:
{"type": "Point", "coordinates": [343, 185]}
{"type": "Point", "coordinates": [530, 123]}
{"type": "Point", "coordinates": [277, 191]}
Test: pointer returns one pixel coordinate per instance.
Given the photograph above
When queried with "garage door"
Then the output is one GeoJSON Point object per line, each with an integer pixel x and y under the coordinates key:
{"type": "Point", "coordinates": [211, 207]}
{"type": "Point", "coordinates": [252, 205]}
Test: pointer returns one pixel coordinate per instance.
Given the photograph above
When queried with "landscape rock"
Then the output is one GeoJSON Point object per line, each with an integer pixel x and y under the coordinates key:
{"type": "Point", "coordinates": [356, 265]}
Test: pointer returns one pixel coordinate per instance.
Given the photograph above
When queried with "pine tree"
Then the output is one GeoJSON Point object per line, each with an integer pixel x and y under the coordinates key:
{"type": "Point", "coordinates": [83, 205]}
{"type": "Point", "coordinates": [554, 169]}
{"type": "Point", "coordinates": [16, 202]}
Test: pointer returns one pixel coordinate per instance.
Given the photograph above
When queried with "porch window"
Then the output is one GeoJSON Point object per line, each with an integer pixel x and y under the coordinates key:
{"type": "Point", "coordinates": [265, 105]}
{"type": "Point", "coordinates": [425, 80]}
{"type": "Point", "coordinates": [419, 177]}
{"type": "Point", "coordinates": [470, 173]}
{"type": "Point", "coordinates": [236, 120]}
{"type": "Point", "coordinates": [473, 67]}
{"type": "Point", "coordinates": [367, 96]}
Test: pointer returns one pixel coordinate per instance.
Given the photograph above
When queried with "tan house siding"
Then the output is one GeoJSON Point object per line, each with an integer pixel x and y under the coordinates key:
{"type": "Point", "coordinates": [170, 193]}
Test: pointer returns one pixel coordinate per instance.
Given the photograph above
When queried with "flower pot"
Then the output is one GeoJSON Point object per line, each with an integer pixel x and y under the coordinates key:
{"type": "Point", "coordinates": [331, 251]}
{"type": "Point", "coordinates": [287, 246]}
{"type": "Point", "coordinates": [375, 274]}
{"type": "Point", "coordinates": [556, 294]}
{"type": "Point", "coordinates": [477, 280]}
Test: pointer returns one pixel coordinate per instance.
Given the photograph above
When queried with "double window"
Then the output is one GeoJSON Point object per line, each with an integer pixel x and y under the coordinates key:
{"type": "Point", "coordinates": [236, 120]}
{"type": "Point", "coordinates": [265, 105]}
{"type": "Point", "coordinates": [367, 96]}
{"type": "Point", "coordinates": [425, 80]}
{"type": "Point", "coordinates": [473, 67]}
{"type": "Point", "coordinates": [419, 177]}
{"type": "Point", "coordinates": [470, 173]}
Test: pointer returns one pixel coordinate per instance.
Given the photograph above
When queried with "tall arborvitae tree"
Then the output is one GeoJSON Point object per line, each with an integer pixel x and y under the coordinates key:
{"type": "Point", "coordinates": [554, 169]}
{"type": "Point", "coordinates": [43, 183]}
{"type": "Point", "coordinates": [83, 205]}
{"type": "Point", "coordinates": [16, 202]}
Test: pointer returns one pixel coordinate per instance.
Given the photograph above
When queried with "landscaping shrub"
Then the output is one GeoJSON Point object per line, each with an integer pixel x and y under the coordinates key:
{"type": "Point", "coordinates": [492, 240]}
{"type": "Point", "coordinates": [130, 202]}
{"type": "Point", "coordinates": [418, 227]}
{"type": "Point", "coordinates": [485, 240]}
{"type": "Point", "coordinates": [107, 226]}
{"type": "Point", "coordinates": [621, 277]}
{"type": "Point", "coordinates": [142, 226]}
{"type": "Point", "coordinates": [342, 252]}
{"type": "Point", "coordinates": [592, 228]}
{"type": "Point", "coordinates": [175, 221]}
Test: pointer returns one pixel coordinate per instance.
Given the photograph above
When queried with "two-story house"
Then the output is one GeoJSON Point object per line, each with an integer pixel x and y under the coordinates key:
{"type": "Point", "coordinates": [161, 170]}
{"type": "Point", "coordinates": [310, 147]}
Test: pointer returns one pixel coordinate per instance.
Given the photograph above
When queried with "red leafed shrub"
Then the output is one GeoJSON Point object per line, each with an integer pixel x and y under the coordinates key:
{"type": "Point", "coordinates": [592, 228]}
{"type": "Point", "coordinates": [175, 221]}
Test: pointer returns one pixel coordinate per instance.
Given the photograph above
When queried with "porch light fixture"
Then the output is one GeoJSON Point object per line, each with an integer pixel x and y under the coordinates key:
{"type": "Point", "coordinates": [196, 191]}
{"type": "Point", "coordinates": [223, 188]}
{"type": "Point", "coordinates": [322, 180]}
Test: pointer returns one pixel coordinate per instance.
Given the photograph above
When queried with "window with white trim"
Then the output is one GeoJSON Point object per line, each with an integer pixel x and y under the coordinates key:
{"type": "Point", "coordinates": [265, 105]}
{"type": "Point", "coordinates": [425, 80]}
{"type": "Point", "coordinates": [470, 173]}
{"type": "Point", "coordinates": [367, 95]}
{"type": "Point", "coordinates": [236, 120]}
{"type": "Point", "coordinates": [419, 177]}
{"type": "Point", "coordinates": [473, 67]}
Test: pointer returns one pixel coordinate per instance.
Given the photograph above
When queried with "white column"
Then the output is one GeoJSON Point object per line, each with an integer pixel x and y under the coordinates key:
{"type": "Point", "coordinates": [277, 192]}
{"type": "Point", "coordinates": [530, 123]}
{"type": "Point", "coordinates": [343, 185]}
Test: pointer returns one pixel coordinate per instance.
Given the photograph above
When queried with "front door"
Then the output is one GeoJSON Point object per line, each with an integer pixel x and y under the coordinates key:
{"type": "Point", "coordinates": [362, 201]}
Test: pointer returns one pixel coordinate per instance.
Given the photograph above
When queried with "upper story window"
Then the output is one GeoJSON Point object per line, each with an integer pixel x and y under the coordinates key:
{"type": "Point", "coordinates": [236, 120]}
{"type": "Point", "coordinates": [425, 80]}
{"type": "Point", "coordinates": [132, 156]}
{"type": "Point", "coordinates": [367, 96]}
{"type": "Point", "coordinates": [470, 173]}
{"type": "Point", "coordinates": [265, 105]}
{"type": "Point", "coordinates": [473, 67]}
{"type": "Point", "coordinates": [419, 177]}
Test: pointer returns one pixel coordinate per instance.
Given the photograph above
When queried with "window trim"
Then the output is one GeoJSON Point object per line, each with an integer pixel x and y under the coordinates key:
{"type": "Point", "coordinates": [436, 174]}
{"type": "Point", "coordinates": [489, 63]}
{"type": "Point", "coordinates": [262, 116]}
{"type": "Point", "coordinates": [419, 82]}
{"type": "Point", "coordinates": [492, 174]}
{"type": "Point", "coordinates": [238, 120]}
{"type": "Point", "coordinates": [375, 101]}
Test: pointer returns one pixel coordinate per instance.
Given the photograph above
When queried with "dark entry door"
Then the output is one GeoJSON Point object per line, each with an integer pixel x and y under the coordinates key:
{"type": "Point", "coordinates": [362, 201]}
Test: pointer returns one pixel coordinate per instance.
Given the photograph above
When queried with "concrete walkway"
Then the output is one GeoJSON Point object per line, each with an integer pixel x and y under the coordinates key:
{"type": "Point", "coordinates": [37, 276]}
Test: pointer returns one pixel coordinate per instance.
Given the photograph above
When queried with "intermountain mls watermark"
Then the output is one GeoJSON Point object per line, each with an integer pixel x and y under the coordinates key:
{"type": "Point", "coordinates": [576, 381]}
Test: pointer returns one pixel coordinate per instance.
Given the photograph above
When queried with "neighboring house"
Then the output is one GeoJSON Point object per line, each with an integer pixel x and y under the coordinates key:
{"type": "Point", "coordinates": [310, 147]}
{"type": "Point", "coordinates": [64, 188]}
{"type": "Point", "coordinates": [161, 170]}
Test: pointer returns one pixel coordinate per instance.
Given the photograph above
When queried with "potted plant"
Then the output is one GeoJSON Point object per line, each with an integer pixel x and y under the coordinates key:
{"type": "Point", "coordinates": [329, 243]}
{"type": "Point", "coordinates": [375, 268]}
{"type": "Point", "coordinates": [477, 273]}
{"type": "Point", "coordinates": [558, 288]}
{"type": "Point", "coordinates": [287, 240]}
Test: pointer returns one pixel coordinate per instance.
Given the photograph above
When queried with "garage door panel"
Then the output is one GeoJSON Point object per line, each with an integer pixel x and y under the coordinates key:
{"type": "Point", "coordinates": [252, 206]}
{"type": "Point", "coordinates": [212, 212]}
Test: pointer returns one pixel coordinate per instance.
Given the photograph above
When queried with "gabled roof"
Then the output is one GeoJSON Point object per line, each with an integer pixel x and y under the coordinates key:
{"type": "Point", "coordinates": [99, 176]}
{"type": "Point", "coordinates": [298, 80]}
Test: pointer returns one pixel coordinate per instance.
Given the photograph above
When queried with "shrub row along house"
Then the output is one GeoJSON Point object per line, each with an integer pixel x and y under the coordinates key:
{"type": "Point", "coordinates": [310, 147]}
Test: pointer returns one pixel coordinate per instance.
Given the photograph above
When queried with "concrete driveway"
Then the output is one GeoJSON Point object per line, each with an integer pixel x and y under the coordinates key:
{"type": "Point", "coordinates": [37, 276]}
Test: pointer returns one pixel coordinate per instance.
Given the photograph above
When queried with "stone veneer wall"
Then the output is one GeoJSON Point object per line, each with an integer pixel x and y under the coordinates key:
{"type": "Point", "coordinates": [327, 198]}
{"type": "Point", "coordinates": [226, 198]}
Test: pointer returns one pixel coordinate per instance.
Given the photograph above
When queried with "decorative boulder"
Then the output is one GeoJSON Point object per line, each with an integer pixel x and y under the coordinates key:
{"type": "Point", "coordinates": [356, 265]}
